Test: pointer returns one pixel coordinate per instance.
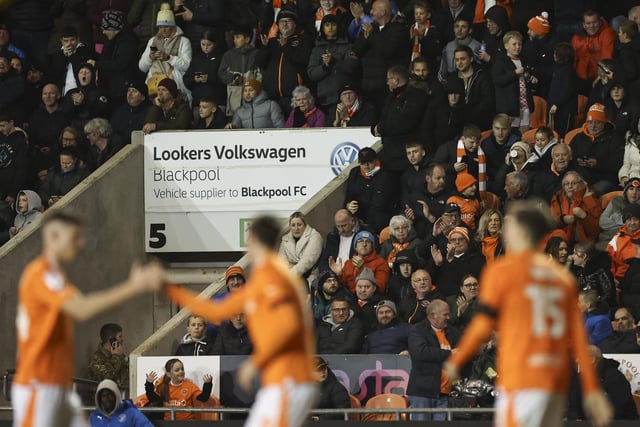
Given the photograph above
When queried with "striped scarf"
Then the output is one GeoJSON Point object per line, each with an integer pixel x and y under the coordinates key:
{"type": "Point", "coordinates": [320, 13]}
{"type": "Point", "coordinates": [350, 112]}
{"type": "Point", "coordinates": [416, 34]}
{"type": "Point", "coordinates": [482, 165]}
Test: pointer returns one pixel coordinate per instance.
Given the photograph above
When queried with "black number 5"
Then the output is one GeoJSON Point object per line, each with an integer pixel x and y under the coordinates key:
{"type": "Point", "coordinates": [157, 238]}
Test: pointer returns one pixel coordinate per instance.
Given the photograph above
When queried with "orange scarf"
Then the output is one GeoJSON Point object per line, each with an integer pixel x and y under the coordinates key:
{"type": "Point", "coordinates": [482, 165]}
{"type": "Point", "coordinates": [397, 247]}
{"type": "Point", "coordinates": [372, 173]}
{"type": "Point", "coordinates": [417, 35]}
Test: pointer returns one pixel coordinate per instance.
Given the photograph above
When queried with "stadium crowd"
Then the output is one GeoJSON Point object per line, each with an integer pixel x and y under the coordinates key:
{"type": "Point", "coordinates": [477, 103]}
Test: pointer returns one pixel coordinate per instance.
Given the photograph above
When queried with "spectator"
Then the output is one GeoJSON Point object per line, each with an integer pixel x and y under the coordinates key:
{"type": "Point", "coordinates": [489, 235]}
{"type": "Point", "coordinates": [519, 159]}
{"type": "Point", "coordinates": [63, 178]}
{"type": "Point", "coordinates": [238, 66]}
{"type": "Point", "coordinates": [45, 123]}
{"type": "Point", "coordinates": [65, 63]}
{"type": "Point", "coordinates": [631, 160]}
{"type": "Point", "coordinates": [33, 85]}
{"type": "Point", "coordinates": [611, 218]}
{"type": "Point", "coordinates": [201, 78]}
{"type": "Point", "coordinates": [169, 111]}
{"type": "Point", "coordinates": [516, 186]}
{"type": "Point", "coordinates": [332, 63]}
{"type": "Point", "coordinates": [538, 51]}
{"type": "Point", "coordinates": [430, 344]}
{"type": "Point", "coordinates": [576, 209]}
{"type": "Point", "coordinates": [329, 8]}
{"type": "Point", "coordinates": [597, 155]}
{"type": "Point", "coordinates": [143, 14]}
{"type": "Point", "coordinates": [284, 59]}
{"type": "Point", "coordinates": [592, 270]}
{"type": "Point", "coordinates": [497, 24]}
{"type": "Point", "coordinates": [449, 219]}
{"type": "Point", "coordinates": [412, 306]}
{"type": "Point", "coordinates": [12, 86]}
{"type": "Point", "coordinates": [95, 13]}
{"type": "Point", "coordinates": [13, 162]}
{"type": "Point", "coordinates": [429, 204]}
{"type": "Point", "coordinates": [103, 143]}
{"type": "Point", "coordinates": [424, 34]}
{"type": "Point", "coordinates": [447, 16]}
{"type": "Point", "coordinates": [167, 55]}
{"type": "Point", "coordinates": [423, 79]}
{"type": "Point", "coordinates": [380, 46]}
{"type": "Point", "coordinates": [233, 338]}
{"type": "Point", "coordinates": [544, 141]}
{"type": "Point", "coordinates": [402, 237]}
{"type": "Point", "coordinates": [413, 180]}
{"type": "Point", "coordinates": [86, 101]}
{"type": "Point", "coordinates": [497, 145]}
{"type": "Point", "coordinates": [340, 332]}
{"type": "Point", "coordinates": [563, 89]}
{"type": "Point", "coordinates": [622, 110]}
{"type": "Point", "coordinates": [602, 85]}
{"type": "Point", "coordinates": [391, 335]}
{"type": "Point", "coordinates": [235, 280]}
{"type": "Point", "coordinates": [513, 80]}
{"type": "Point", "coordinates": [622, 246]}
{"type": "Point", "coordinates": [400, 117]}
{"type": "Point", "coordinates": [109, 362]}
{"type": "Point", "coordinates": [445, 116]}
{"type": "Point", "coordinates": [370, 192]}
{"type": "Point", "coordinates": [117, 63]}
{"type": "Point", "coordinates": [634, 15]}
{"type": "Point", "coordinates": [465, 154]}
{"type": "Point", "coordinates": [462, 37]}
{"type": "Point", "coordinates": [467, 198]}
{"type": "Point", "coordinates": [324, 291]}
{"type": "Point", "coordinates": [7, 45]}
{"type": "Point", "coordinates": [111, 410]}
{"type": "Point", "coordinates": [257, 110]}
{"type": "Point", "coordinates": [365, 257]}
{"type": "Point", "coordinates": [596, 316]}
{"type": "Point", "coordinates": [367, 298]}
{"type": "Point", "coordinates": [197, 16]}
{"type": "Point", "coordinates": [625, 337]}
{"type": "Point", "coordinates": [558, 250]}
{"type": "Point", "coordinates": [615, 385]}
{"type": "Point", "coordinates": [549, 181]}
{"type": "Point", "coordinates": [626, 58]}
{"type": "Point", "coordinates": [131, 115]}
{"type": "Point", "coordinates": [195, 342]}
{"type": "Point", "coordinates": [28, 205]}
{"type": "Point", "coordinates": [339, 241]}
{"type": "Point", "coordinates": [210, 116]}
{"type": "Point", "coordinates": [399, 285]}
{"type": "Point", "coordinates": [360, 18]}
{"type": "Point", "coordinates": [596, 43]}
{"type": "Point", "coordinates": [333, 395]}
{"type": "Point", "coordinates": [351, 110]}
{"type": "Point", "coordinates": [301, 247]}
{"type": "Point", "coordinates": [464, 305]}
{"type": "Point", "coordinates": [304, 113]}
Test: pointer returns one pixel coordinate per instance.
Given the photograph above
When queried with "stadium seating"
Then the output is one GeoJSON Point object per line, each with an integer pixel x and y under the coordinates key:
{"type": "Point", "coordinates": [386, 401]}
{"type": "Point", "coordinates": [571, 134]}
{"type": "Point", "coordinates": [605, 199]}
{"type": "Point", "coordinates": [211, 403]}
{"type": "Point", "coordinates": [355, 404]}
{"type": "Point", "coordinates": [540, 111]}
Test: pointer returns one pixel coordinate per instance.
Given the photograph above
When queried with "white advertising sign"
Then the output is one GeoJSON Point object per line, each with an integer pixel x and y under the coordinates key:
{"type": "Point", "coordinates": [203, 187]}
{"type": "Point", "coordinates": [630, 367]}
{"type": "Point", "coordinates": [195, 369]}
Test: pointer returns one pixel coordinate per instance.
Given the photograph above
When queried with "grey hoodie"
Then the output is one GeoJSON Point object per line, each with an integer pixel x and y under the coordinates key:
{"type": "Point", "coordinates": [111, 385]}
{"type": "Point", "coordinates": [33, 210]}
{"type": "Point", "coordinates": [334, 325]}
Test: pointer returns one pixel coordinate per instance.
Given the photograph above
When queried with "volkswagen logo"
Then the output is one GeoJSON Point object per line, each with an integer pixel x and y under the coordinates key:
{"type": "Point", "coordinates": [343, 155]}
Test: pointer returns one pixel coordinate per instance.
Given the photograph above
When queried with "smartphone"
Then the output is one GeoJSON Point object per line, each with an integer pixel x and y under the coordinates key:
{"type": "Point", "coordinates": [181, 9]}
{"type": "Point", "coordinates": [153, 49]}
{"type": "Point", "coordinates": [114, 343]}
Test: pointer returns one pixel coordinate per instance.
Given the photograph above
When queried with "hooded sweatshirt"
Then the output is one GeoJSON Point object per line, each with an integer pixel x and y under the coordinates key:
{"type": "Point", "coordinates": [125, 414]}
{"type": "Point", "coordinates": [193, 347]}
{"type": "Point", "coordinates": [33, 210]}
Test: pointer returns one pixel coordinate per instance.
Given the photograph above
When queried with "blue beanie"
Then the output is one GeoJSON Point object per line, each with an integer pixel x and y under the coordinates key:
{"type": "Point", "coordinates": [364, 234]}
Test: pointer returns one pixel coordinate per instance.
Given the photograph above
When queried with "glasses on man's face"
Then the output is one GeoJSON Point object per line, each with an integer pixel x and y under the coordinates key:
{"type": "Point", "coordinates": [340, 309]}
{"type": "Point", "coordinates": [471, 285]}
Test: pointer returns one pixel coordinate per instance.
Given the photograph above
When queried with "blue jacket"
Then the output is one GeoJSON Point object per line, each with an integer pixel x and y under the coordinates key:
{"type": "Point", "coordinates": [126, 415]}
{"type": "Point", "coordinates": [598, 327]}
{"type": "Point", "coordinates": [391, 339]}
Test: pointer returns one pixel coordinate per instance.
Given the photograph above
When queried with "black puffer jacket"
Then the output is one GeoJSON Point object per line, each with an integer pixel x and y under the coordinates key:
{"type": "Point", "coordinates": [213, 88]}
{"type": "Point", "coordinates": [206, 14]}
{"type": "Point", "coordinates": [232, 341]}
{"type": "Point", "coordinates": [375, 197]}
{"type": "Point", "coordinates": [333, 395]}
{"type": "Point", "coordinates": [506, 82]}
{"type": "Point", "coordinates": [118, 63]}
{"type": "Point", "coordinates": [499, 15]}
{"type": "Point", "coordinates": [345, 338]}
{"type": "Point", "coordinates": [341, 69]}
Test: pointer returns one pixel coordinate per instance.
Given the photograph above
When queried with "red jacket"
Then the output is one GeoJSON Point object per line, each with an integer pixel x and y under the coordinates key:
{"type": "Point", "coordinates": [590, 49]}
{"type": "Point", "coordinates": [373, 262]}
{"type": "Point", "coordinates": [621, 249]}
{"type": "Point", "coordinates": [587, 229]}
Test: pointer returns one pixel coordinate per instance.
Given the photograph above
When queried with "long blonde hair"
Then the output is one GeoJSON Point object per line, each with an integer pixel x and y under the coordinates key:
{"type": "Point", "coordinates": [484, 223]}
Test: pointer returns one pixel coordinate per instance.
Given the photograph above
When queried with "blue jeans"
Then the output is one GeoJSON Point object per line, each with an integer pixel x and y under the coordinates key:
{"type": "Point", "coordinates": [428, 402]}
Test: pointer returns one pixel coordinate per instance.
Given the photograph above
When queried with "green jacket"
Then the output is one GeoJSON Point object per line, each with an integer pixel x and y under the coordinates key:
{"type": "Point", "coordinates": [104, 365]}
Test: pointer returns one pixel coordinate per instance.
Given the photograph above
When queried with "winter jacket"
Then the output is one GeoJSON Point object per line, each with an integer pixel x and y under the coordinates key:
{"type": "Point", "coordinates": [178, 117]}
{"type": "Point", "coordinates": [365, 115]}
{"type": "Point", "coordinates": [213, 88]}
{"type": "Point", "coordinates": [232, 341]}
{"type": "Point", "coordinates": [494, 42]}
{"type": "Point", "coordinates": [374, 263]}
{"type": "Point", "coordinates": [611, 220]}
{"type": "Point", "coordinates": [341, 70]}
{"type": "Point", "coordinates": [449, 275]}
{"type": "Point", "coordinates": [563, 93]}
{"type": "Point", "coordinates": [344, 338]}
{"type": "Point", "coordinates": [59, 183]}
{"type": "Point", "coordinates": [631, 160]}
{"type": "Point", "coordinates": [603, 148]}
{"type": "Point", "coordinates": [45, 127]}
{"type": "Point", "coordinates": [313, 118]}
{"type": "Point", "coordinates": [97, 158]}
{"type": "Point", "coordinates": [627, 68]}
{"type": "Point", "coordinates": [206, 14]}
{"type": "Point", "coordinates": [495, 152]}
{"type": "Point", "coordinates": [13, 163]}
{"type": "Point", "coordinates": [117, 63]}
{"type": "Point", "coordinates": [302, 254]}
{"type": "Point", "coordinates": [95, 103]}
{"type": "Point", "coordinates": [375, 197]}
{"type": "Point", "coordinates": [60, 63]}
{"type": "Point", "coordinates": [412, 310]}
{"type": "Point", "coordinates": [219, 121]}
{"type": "Point", "coordinates": [444, 20]}
{"type": "Point", "coordinates": [390, 248]}
{"type": "Point", "coordinates": [191, 347]}
{"type": "Point", "coordinates": [261, 113]}
{"type": "Point", "coordinates": [447, 65]}
{"type": "Point", "coordinates": [333, 395]}
{"type": "Point", "coordinates": [240, 62]}
{"type": "Point", "coordinates": [548, 182]}
{"type": "Point", "coordinates": [427, 358]}
{"type": "Point", "coordinates": [390, 339]}
{"type": "Point", "coordinates": [34, 205]}
{"type": "Point", "coordinates": [621, 248]}
{"type": "Point", "coordinates": [480, 97]}
{"type": "Point", "coordinates": [507, 84]}
{"type": "Point", "coordinates": [591, 49]}
{"type": "Point", "coordinates": [582, 230]}
{"type": "Point", "coordinates": [618, 390]}
{"type": "Point", "coordinates": [443, 123]}
{"type": "Point", "coordinates": [366, 312]}
{"type": "Point", "coordinates": [12, 87]}
{"type": "Point", "coordinates": [332, 245]}
{"type": "Point", "coordinates": [537, 53]}
{"type": "Point", "coordinates": [126, 119]}
{"type": "Point", "coordinates": [125, 413]}
{"type": "Point", "coordinates": [322, 307]}
{"type": "Point", "coordinates": [624, 116]}
{"type": "Point", "coordinates": [461, 322]}
{"type": "Point", "coordinates": [598, 327]}
{"type": "Point", "coordinates": [620, 343]}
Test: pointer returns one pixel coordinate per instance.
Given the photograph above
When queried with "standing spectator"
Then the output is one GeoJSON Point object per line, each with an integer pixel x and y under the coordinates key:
{"type": "Point", "coordinates": [489, 235]}
{"type": "Point", "coordinates": [167, 55]}
{"type": "Point", "coordinates": [304, 113]}
{"type": "Point", "coordinates": [622, 247]}
{"type": "Point", "coordinates": [412, 305]}
{"type": "Point", "coordinates": [381, 45]}
{"type": "Point", "coordinates": [196, 16]}
{"type": "Point", "coordinates": [13, 160]}
{"type": "Point", "coordinates": [391, 335]}
{"type": "Point", "coordinates": [596, 43]}
{"type": "Point", "coordinates": [329, 8]}
{"type": "Point", "coordinates": [86, 101]}
{"type": "Point", "coordinates": [421, 77]}
{"type": "Point", "coordinates": [65, 63]}
{"type": "Point", "coordinates": [131, 115]}
{"type": "Point", "coordinates": [563, 89]}
{"type": "Point", "coordinates": [104, 145]}
{"type": "Point", "coordinates": [463, 305]}
{"type": "Point", "coordinates": [625, 337]}
{"type": "Point", "coordinates": [109, 362]}
{"type": "Point", "coordinates": [339, 241]}
{"type": "Point", "coordinates": [537, 51]}
{"type": "Point", "coordinates": [429, 203]}
{"type": "Point", "coordinates": [12, 87]}
{"type": "Point", "coordinates": [627, 58]}
{"type": "Point", "coordinates": [325, 290]}
{"type": "Point", "coordinates": [301, 247]}
{"type": "Point", "coordinates": [62, 178]}
{"type": "Point", "coordinates": [95, 13]}
{"type": "Point", "coordinates": [424, 35]}
{"type": "Point", "coordinates": [445, 116]}
{"type": "Point", "coordinates": [233, 338]}
{"type": "Point", "coordinates": [143, 15]}
{"type": "Point", "coordinates": [332, 63]}
{"type": "Point", "coordinates": [340, 332]}
{"type": "Point", "coordinates": [447, 15]}
{"type": "Point", "coordinates": [195, 342]}
{"type": "Point", "coordinates": [462, 32]}
{"type": "Point", "coordinates": [111, 410]}
{"type": "Point", "coordinates": [479, 92]}
{"type": "Point", "coordinates": [402, 237]}
{"type": "Point", "coordinates": [28, 205]}
{"type": "Point", "coordinates": [622, 109]}
{"type": "Point", "coordinates": [257, 110]}
{"type": "Point", "coordinates": [169, 111]}
{"type": "Point", "coordinates": [612, 217]}
{"type": "Point", "coordinates": [238, 66]}
{"type": "Point", "coordinates": [412, 181]}
{"type": "Point", "coordinates": [576, 209]}
{"type": "Point", "coordinates": [333, 395]}
{"type": "Point", "coordinates": [616, 385]}
{"type": "Point", "coordinates": [596, 316]}
{"type": "Point", "coordinates": [360, 18]}
{"type": "Point", "coordinates": [352, 110]}
{"type": "Point", "coordinates": [497, 24]}
{"type": "Point", "coordinates": [430, 344]}
{"type": "Point", "coordinates": [284, 59]}
{"type": "Point", "coordinates": [46, 123]}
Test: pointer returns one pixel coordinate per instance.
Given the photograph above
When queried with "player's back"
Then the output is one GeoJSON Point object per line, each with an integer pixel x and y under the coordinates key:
{"type": "Point", "coordinates": [536, 304]}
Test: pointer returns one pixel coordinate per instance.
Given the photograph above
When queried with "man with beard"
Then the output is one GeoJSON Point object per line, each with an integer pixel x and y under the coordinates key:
{"type": "Point", "coordinates": [428, 204]}
{"type": "Point", "coordinates": [326, 290]}
{"type": "Point", "coordinates": [391, 335]}
{"type": "Point", "coordinates": [130, 115]}
{"type": "Point", "coordinates": [168, 112]}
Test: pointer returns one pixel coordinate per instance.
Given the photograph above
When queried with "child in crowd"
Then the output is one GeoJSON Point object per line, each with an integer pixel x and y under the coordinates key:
{"type": "Point", "coordinates": [464, 154]}
{"type": "Point", "coordinates": [467, 198]}
{"type": "Point", "coordinates": [28, 208]}
{"type": "Point", "coordinates": [173, 390]}
{"type": "Point", "coordinates": [210, 115]}
{"type": "Point", "coordinates": [195, 342]}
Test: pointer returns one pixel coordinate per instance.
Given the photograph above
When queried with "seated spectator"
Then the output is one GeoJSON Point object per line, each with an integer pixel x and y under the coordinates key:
{"type": "Point", "coordinates": [462, 31]}
{"type": "Point", "coordinates": [548, 181]}
{"type": "Point", "coordinates": [576, 209]}
{"type": "Point", "coordinates": [62, 179]}
{"type": "Point", "coordinates": [625, 338]}
{"type": "Point", "coordinates": [464, 305]}
{"type": "Point", "coordinates": [367, 297]}
{"type": "Point", "coordinates": [104, 145]}
{"type": "Point", "coordinates": [538, 51]}
{"type": "Point", "coordinates": [465, 154]}
{"type": "Point", "coordinates": [611, 218]}
{"type": "Point", "coordinates": [257, 110]}
{"type": "Point", "coordinates": [109, 362]}
{"type": "Point", "coordinates": [467, 198]}
{"type": "Point", "coordinates": [563, 89]}
{"type": "Point", "coordinates": [596, 316]}
{"type": "Point", "coordinates": [622, 245]}
{"type": "Point", "coordinates": [597, 155]}
{"type": "Point", "coordinates": [497, 145]}
{"type": "Point", "coordinates": [399, 286]}
{"type": "Point", "coordinates": [86, 101]}
{"type": "Point", "coordinates": [301, 247]}
{"type": "Point", "coordinates": [131, 115]}
{"type": "Point", "coordinates": [210, 116]}
{"type": "Point", "coordinates": [233, 338]}
{"type": "Point", "coordinates": [112, 410]}
{"type": "Point", "coordinates": [45, 124]}
{"type": "Point", "coordinates": [28, 209]}
{"type": "Point", "coordinates": [167, 54]}
{"type": "Point", "coordinates": [412, 306]}
{"type": "Point", "coordinates": [201, 78]}
{"type": "Point", "coordinates": [235, 279]}
{"type": "Point", "coordinates": [351, 110]}
{"type": "Point", "coordinates": [339, 241]}
{"type": "Point", "coordinates": [304, 113]}
{"type": "Point", "coordinates": [326, 288]}
{"type": "Point", "coordinates": [592, 270]}
{"type": "Point", "coordinates": [516, 186]}
{"type": "Point", "coordinates": [14, 161]}
{"type": "Point", "coordinates": [195, 342]}
{"type": "Point", "coordinates": [430, 202]}
{"type": "Point", "coordinates": [544, 142]}
{"type": "Point", "coordinates": [391, 336]}
{"type": "Point", "coordinates": [424, 33]}
{"type": "Point", "coordinates": [450, 219]}
{"type": "Point", "coordinates": [169, 111]}
{"type": "Point", "coordinates": [558, 249]}
{"type": "Point", "coordinates": [519, 159]}
{"type": "Point", "coordinates": [489, 235]}
{"type": "Point", "coordinates": [340, 332]}
{"type": "Point", "coordinates": [66, 62]}
{"type": "Point", "coordinates": [402, 237]}
{"type": "Point", "coordinates": [370, 193]}
{"type": "Point", "coordinates": [12, 87]}
{"type": "Point", "coordinates": [365, 257]}
{"type": "Point", "coordinates": [631, 160]}
{"type": "Point", "coordinates": [333, 395]}
{"type": "Point", "coordinates": [445, 116]}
